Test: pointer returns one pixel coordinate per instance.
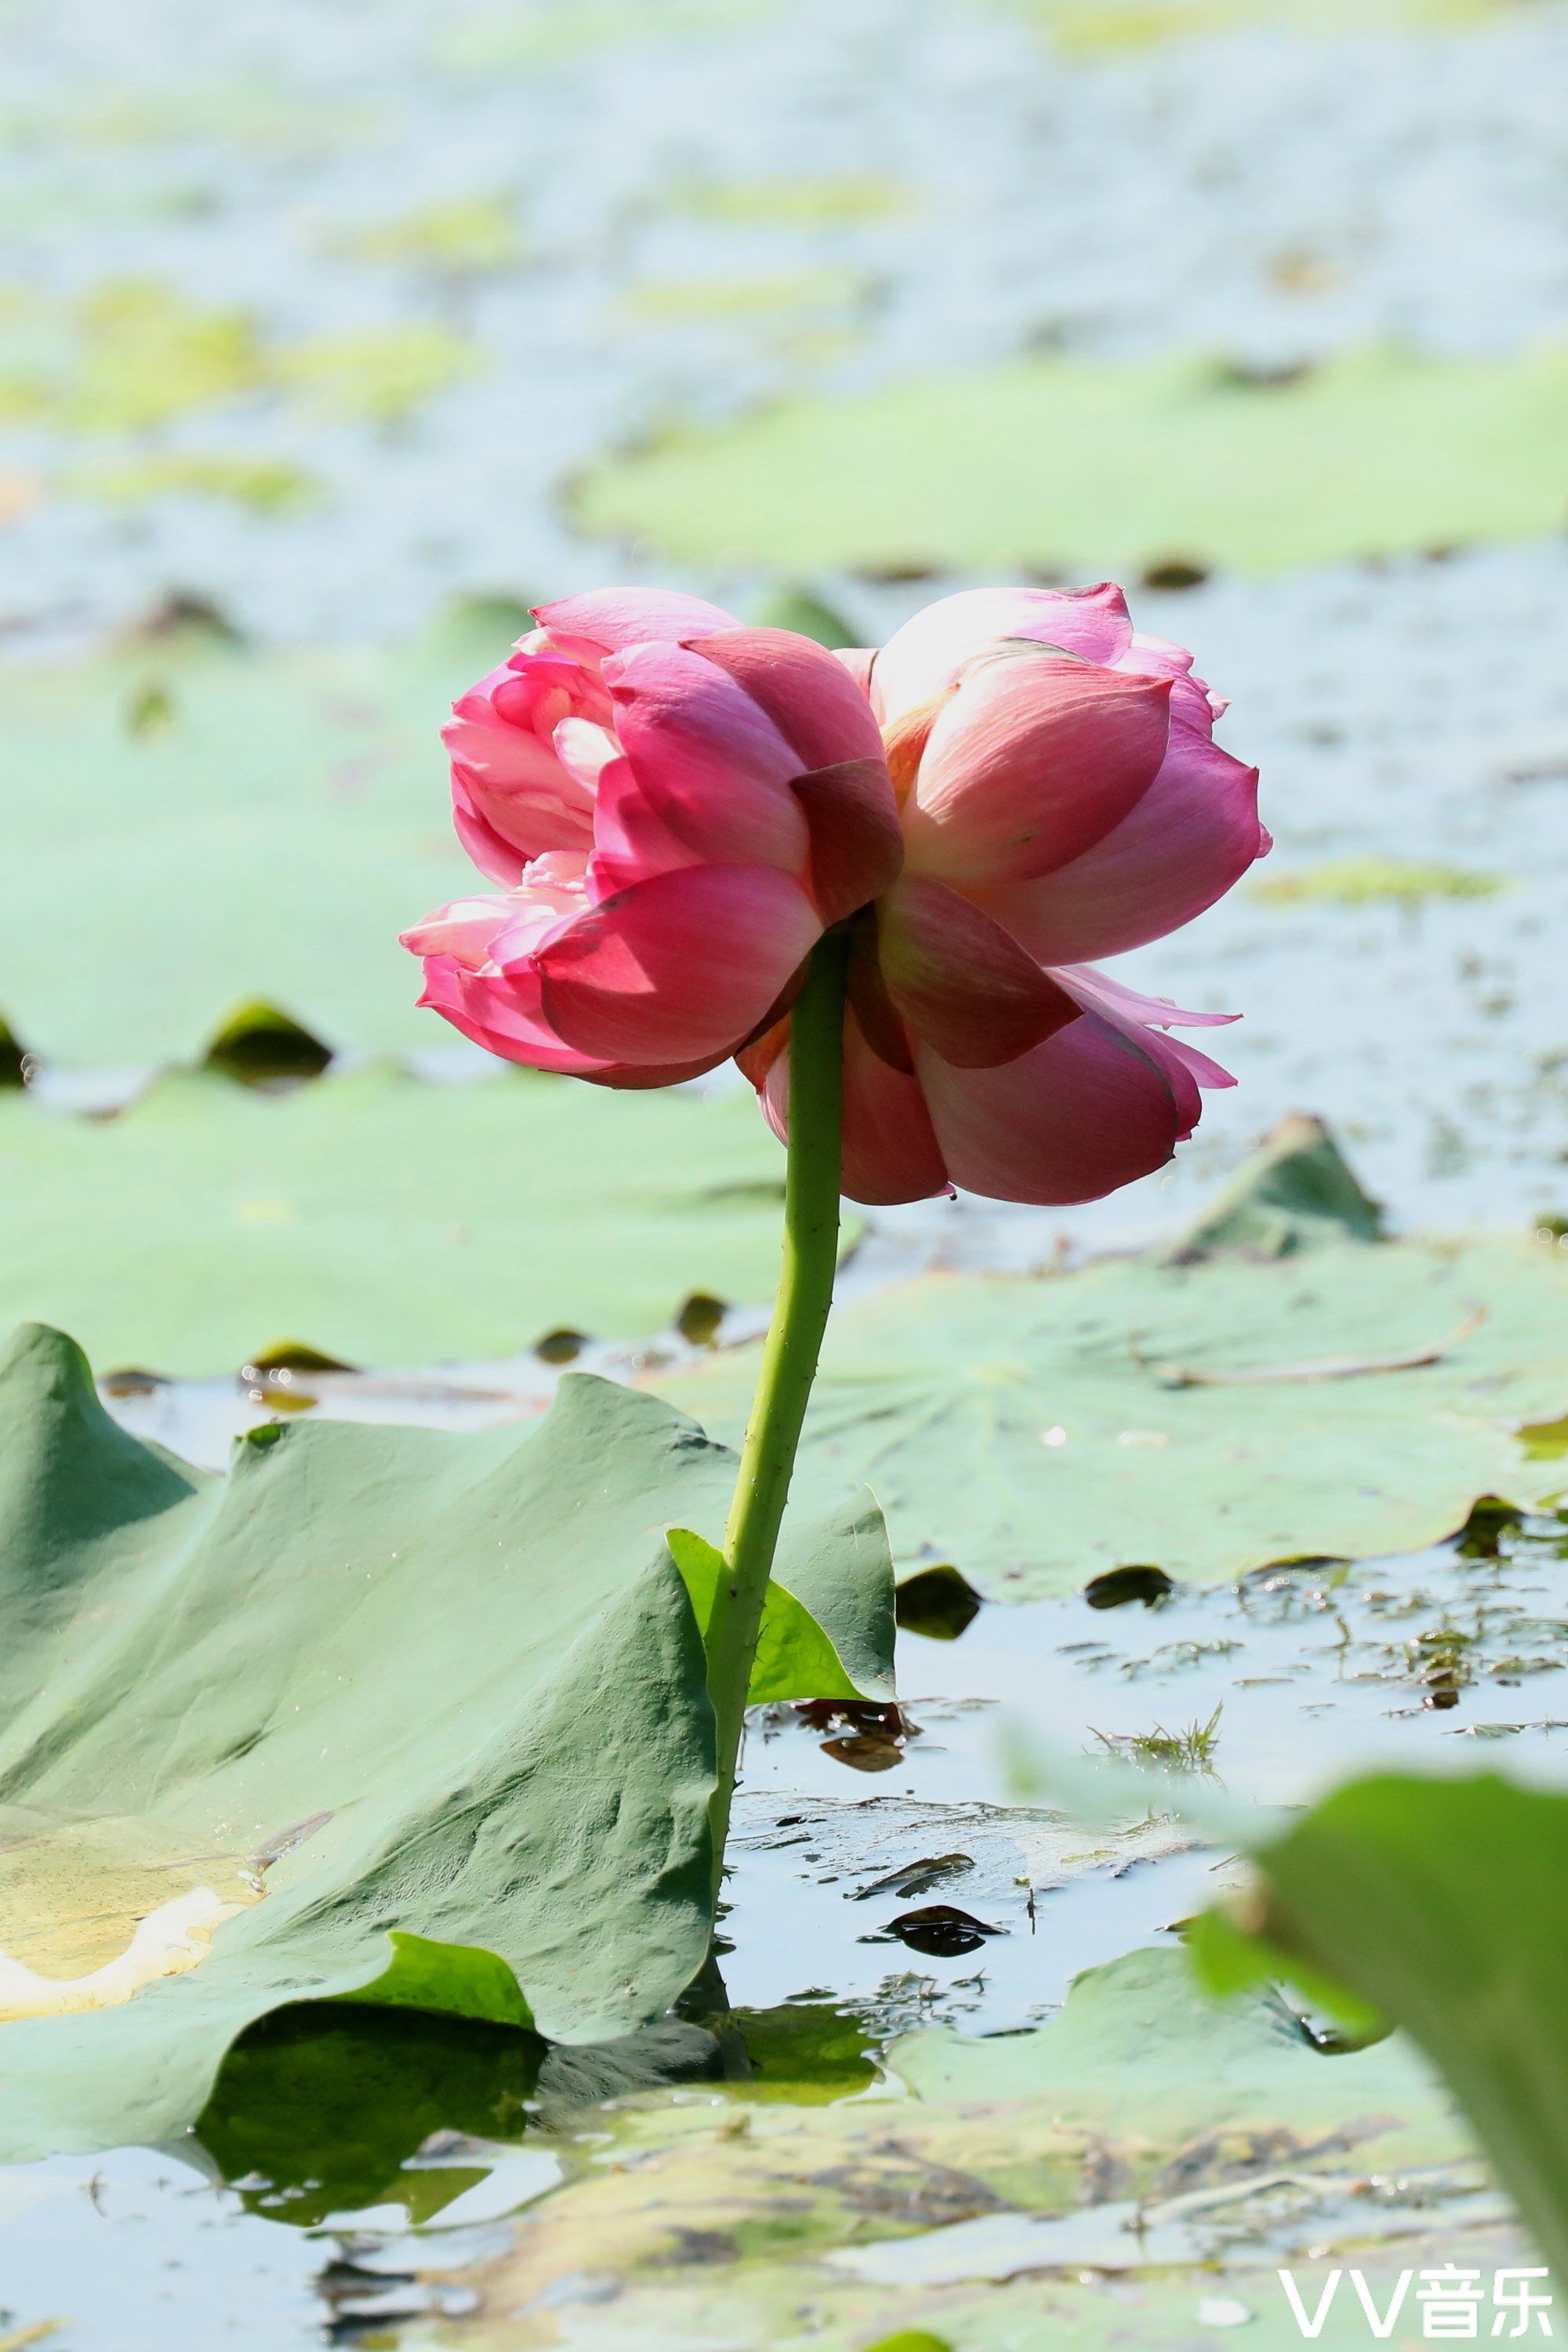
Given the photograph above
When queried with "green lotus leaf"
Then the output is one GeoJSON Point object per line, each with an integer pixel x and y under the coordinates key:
{"type": "Point", "coordinates": [1279, 1386]}
{"type": "Point", "coordinates": [415, 1718]}
{"type": "Point", "coordinates": [380, 1220]}
{"type": "Point", "coordinates": [1095, 466]}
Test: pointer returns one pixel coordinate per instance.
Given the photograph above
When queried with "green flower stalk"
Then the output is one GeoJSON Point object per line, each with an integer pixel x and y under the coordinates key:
{"type": "Point", "coordinates": [789, 1360]}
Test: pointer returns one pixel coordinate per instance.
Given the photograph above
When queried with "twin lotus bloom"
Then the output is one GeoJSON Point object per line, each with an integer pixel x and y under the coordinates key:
{"type": "Point", "coordinates": [676, 808]}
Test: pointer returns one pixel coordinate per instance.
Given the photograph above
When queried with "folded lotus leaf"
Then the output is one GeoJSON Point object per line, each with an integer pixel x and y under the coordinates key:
{"type": "Point", "coordinates": [387, 1713]}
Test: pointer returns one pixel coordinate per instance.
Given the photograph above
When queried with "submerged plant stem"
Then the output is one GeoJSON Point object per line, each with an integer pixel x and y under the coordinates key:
{"type": "Point", "coordinates": [789, 1360]}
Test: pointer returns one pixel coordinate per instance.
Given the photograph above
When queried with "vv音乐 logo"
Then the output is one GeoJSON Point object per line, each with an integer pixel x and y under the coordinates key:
{"type": "Point", "coordinates": [1451, 2304]}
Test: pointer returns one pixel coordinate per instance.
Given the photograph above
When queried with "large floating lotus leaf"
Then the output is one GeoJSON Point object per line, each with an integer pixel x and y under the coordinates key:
{"type": "Point", "coordinates": [224, 825]}
{"type": "Point", "coordinates": [1204, 1418]}
{"type": "Point", "coordinates": [380, 1220]}
{"type": "Point", "coordinates": [1445, 1904]}
{"type": "Point", "coordinates": [1019, 2153]}
{"type": "Point", "coordinates": [378, 1684]}
{"type": "Point", "coordinates": [1097, 466]}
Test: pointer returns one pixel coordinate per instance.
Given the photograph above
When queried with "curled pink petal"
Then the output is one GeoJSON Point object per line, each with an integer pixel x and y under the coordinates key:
{"type": "Point", "coordinates": [1190, 699]}
{"type": "Point", "coordinates": [556, 869]}
{"type": "Point", "coordinates": [584, 749]}
{"type": "Point", "coordinates": [1079, 1117]}
{"type": "Point", "coordinates": [465, 930]}
{"type": "Point", "coordinates": [1145, 1018]}
{"type": "Point", "coordinates": [496, 858]}
{"type": "Point", "coordinates": [710, 763]}
{"type": "Point", "coordinates": [1098, 993]}
{"type": "Point", "coordinates": [806, 692]}
{"type": "Point", "coordinates": [684, 719]}
{"type": "Point", "coordinates": [536, 919]}
{"type": "Point", "coordinates": [880, 1023]}
{"type": "Point", "coordinates": [1189, 1072]}
{"type": "Point", "coordinates": [1032, 761]}
{"type": "Point", "coordinates": [505, 926]}
{"type": "Point", "coordinates": [1193, 699]}
{"type": "Point", "coordinates": [606, 620]}
{"type": "Point", "coordinates": [960, 981]}
{"type": "Point", "coordinates": [1194, 833]}
{"type": "Point", "coordinates": [632, 842]}
{"type": "Point", "coordinates": [931, 652]}
{"type": "Point", "coordinates": [678, 967]}
{"type": "Point", "coordinates": [513, 797]}
{"type": "Point", "coordinates": [1192, 705]}
{"type": "Point", "coordinates": [536, 692]}
{"type": "Point", "coordinates": [856, 841]}
{"type": "Point", "coordinates": [1156, 656]}
{"type": "Point", "coordinates": [890, 1151]}
{"type": "Point", "coordinates": [501, 1012]}
{"type": "Point", "coordinates": [1207, 1072]}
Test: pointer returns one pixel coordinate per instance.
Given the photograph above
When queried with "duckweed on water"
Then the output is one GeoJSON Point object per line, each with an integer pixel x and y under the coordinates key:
{"type": "Point", "coordinates": [1107, 28]}
{"type": "Point", "coordinates": [676, 302]}
{"type": "Point", "coordinates": [266, 486]}
{"type": "Point", "coordinates": [1372, 881]}
{"type": "Point", "coordinates": [824, 200]}
{"type": "Point", "coordinates": [374, 375]}
{"type": "Point", "coordinates": [464, 236]}
{"type": "Point", "coordinates": [554, 32]}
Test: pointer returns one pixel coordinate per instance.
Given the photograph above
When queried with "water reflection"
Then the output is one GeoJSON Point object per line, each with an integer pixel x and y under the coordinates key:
{"type": "Point", "coordinates": [318, 2108]}
{"type": "Point", "coordinates": [326, 2109]}
{"type": "Point", "coordinates": [939, 1603]}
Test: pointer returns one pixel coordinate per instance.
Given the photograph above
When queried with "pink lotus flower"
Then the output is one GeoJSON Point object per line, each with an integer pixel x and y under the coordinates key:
{"type": "Point", "coordinates": [677, 807]}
